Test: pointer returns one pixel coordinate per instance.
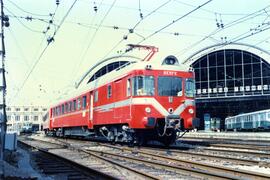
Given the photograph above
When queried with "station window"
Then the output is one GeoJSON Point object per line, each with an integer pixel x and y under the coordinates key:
{"type": "Point", "coordinates": [17, 109]}
{"type": "Point", "coordinates": [26, 109]}
{"type": "Point", "coordinates": [74, 105]}
{"type": "Point", "coordinates": [35, 109]}
{"type": "Point", "coordinates": [26, 118]}
{"type": "Point", "coordinates": [8, 118]}
{"type": "Point", "coordinates": [8, 109]}
{"type": "Point", "coordinates": [109, 91]}
{"type": "Point", "coordinates": [96, 96]}
{"type": "Point", "coordinates": [79, 103]}
{"type": "Point", "coordinates": [35, 118]}
{"type": "Point", "coordinates": [84, 102]}
{"type": "Point", "coordinates": [17, 118]}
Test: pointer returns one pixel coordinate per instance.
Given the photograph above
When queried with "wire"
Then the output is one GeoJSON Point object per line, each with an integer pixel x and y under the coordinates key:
{"type": "Point", "coordinates": [233, 23]}
{"type": "Point", "coordinates": [43, 51]}
{"type": "Point", "coordinates": [25, 10]}
{"type": "Point", "coordinates": [149, 14]}
{"type": "Point", "coordinates": [30, 29]}
{"type": "Point", "coordinates": [95, 33]}
{"type": "Point", "coordinates": [174, 21]}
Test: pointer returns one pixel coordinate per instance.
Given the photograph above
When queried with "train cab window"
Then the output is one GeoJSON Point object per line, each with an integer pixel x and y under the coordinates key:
{"type": "Point", "coordinates": [143, 86]}
{"type": "Point", "coordinates": [79, 103]}
{"type": "Point", "coordinates": [109, 91]}
{"type": "Point", "coordinates": [190, 87]}
{"type": "Point", "coordinates": [96, 96]}
{"type": "Point", "coordinates": [74, 105]}
{"type": "Point", "coordinates": [63, 109]}
{"type": "Point", "coordinates": [84, 102]}
{"type": "Point", "coordinates": [169, 86]}
{"type": "Point", "coordinates": [128, 88]}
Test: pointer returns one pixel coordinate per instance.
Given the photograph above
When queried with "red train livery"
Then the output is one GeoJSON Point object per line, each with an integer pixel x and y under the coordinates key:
{"type": "Point", "coordinates": [127, 99]}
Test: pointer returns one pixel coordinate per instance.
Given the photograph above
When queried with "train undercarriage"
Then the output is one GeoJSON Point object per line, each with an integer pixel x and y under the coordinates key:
{"type": "Point", "coordinates": [162, 132]}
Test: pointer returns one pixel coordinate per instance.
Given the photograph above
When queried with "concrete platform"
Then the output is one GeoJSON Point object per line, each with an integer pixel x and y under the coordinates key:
{"type": "Point", "coordinates": [260, 136]}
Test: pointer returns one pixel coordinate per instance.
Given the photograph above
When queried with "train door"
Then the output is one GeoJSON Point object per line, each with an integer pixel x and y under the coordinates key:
{"type": "Point", "coordinates": [91, 109]}
{"type": "Point", "coordinates": [118, 91]}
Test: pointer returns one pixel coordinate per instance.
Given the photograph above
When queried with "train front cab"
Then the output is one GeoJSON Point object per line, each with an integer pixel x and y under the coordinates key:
{"type": "Point", "coordinates": [163, 100]}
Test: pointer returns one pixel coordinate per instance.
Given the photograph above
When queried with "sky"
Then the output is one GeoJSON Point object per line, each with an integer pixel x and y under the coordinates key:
{"type": "Point", "coordinates": [49, 47]}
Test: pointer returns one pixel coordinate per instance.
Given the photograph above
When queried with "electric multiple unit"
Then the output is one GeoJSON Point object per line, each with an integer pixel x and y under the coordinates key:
{"type": "Point", "coordinates": [127, 99]}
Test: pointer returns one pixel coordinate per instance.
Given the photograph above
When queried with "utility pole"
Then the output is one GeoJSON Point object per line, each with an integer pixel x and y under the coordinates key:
{"type": "Point", "coordinates": [3, 123]}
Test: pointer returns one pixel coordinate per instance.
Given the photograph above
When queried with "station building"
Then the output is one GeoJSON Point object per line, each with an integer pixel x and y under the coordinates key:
{"type": "Point", "coordinates": [231, 79]}
{"type": "Point", "coordinates": [20, 118]}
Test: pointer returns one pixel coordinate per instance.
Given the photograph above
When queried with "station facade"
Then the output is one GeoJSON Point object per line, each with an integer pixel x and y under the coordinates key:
{"type": "Point", "coordinates": [231, 79]}
{"type": "Point", "coordinates": [21, 117]}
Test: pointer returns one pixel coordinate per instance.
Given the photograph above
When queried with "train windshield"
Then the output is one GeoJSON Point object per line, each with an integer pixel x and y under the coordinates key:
{"type": "Point", "coordinates": [190, 88]}
{"type": "Point", "coordinates": [169, 86]}
{"type": "Point", "coordinates": [143, 86]}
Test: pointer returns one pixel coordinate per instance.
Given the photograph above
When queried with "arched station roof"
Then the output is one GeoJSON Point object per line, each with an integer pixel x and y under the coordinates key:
{"type": "Point", "coordinates": [216, 47]}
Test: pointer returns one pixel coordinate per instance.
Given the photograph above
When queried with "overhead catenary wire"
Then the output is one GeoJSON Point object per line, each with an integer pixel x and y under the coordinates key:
{"type": "Point", "coordinates": [43, 51]}
{"type": "Point", "coordinates": [137, 24]}
{"type": "Point", "coordinates": [19, 20]}
{"type": "Point", "coordinates": [25, 11]}
{"type": "Point", "coordinates": [95, 33]}
{"type": "Point", "coordinates": [174, 21]}
{"type": "Point", "coordinates": [228, 25]}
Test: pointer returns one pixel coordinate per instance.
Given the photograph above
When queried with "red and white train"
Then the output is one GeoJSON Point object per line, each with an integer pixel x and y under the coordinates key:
{"type": "Point", "coordinates": [127, 99]}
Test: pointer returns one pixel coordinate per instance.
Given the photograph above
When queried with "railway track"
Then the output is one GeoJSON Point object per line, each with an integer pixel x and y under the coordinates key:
{"type": "Point", "coordinates": [229, 143]}
{"type": "Point", "coordinates": [99, 167]}
{"type": "Point", "coordinates": [196, 165]}
{"type": "Point", "coordinates": [57, 167]}
{"type": "Point", "coordinates": [156, 162]}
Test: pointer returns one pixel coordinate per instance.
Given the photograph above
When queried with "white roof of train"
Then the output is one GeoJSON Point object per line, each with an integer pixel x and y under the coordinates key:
{"type": "Point", "coordinates": [135, 64]}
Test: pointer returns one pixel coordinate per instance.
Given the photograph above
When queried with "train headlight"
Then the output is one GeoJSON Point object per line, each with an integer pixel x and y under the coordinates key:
{"type": "Point", "coordinates": [191, 111]}
{"type": "Point", "coordinates": [148, 109]}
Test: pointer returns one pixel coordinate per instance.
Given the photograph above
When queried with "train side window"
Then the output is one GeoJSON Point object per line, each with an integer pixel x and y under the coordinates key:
{"type": "Point", "coordinates": [63, 109]}
{"type": "Point", "coordinates": [96, 96]}
{"type": "Point", "coordinates": [66, 107]}
{"type": "Point", "coordinates": [70, 106]}
{"type": "Point", "coordinates": [109, 91]}
{"type": "Point", "coordinates": [74, 105]}
{"type": "Point", "coordinates": [84, 102]}
{"type": "Point", "coordinates": [79, 103]}
{"type": "Point", "coordinates": [128, 88]}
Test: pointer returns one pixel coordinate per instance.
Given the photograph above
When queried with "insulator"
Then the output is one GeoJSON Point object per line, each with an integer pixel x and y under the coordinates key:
{"type": "Point", "coordinates": [131, 30]}
{"type": "Point", "coordinates": [57, 2]}
{"type": "Point", "coordinates": [7, 24]}
{"type": "Point", "coordinates": [125, 37]}
{"type": "Point", "coordinates": [95, 8]}
{"type": "Point", "coordinates": [50, 21]}
{"type": "Point", "coordinates": [141, 15]}
{"type": "Point", "coordinates": [5, 18]}
{"type": "Point", "coordinates": [29, 18]}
